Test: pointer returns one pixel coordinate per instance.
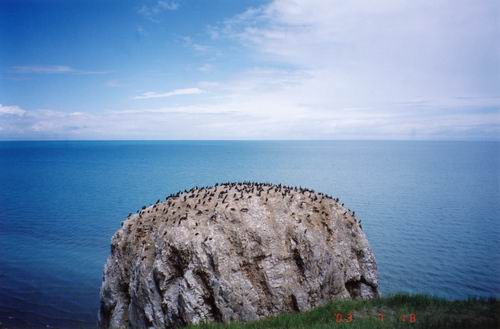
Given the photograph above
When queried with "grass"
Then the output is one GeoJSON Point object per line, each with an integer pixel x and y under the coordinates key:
{"type": "Point", "coordinates": [430, 312]}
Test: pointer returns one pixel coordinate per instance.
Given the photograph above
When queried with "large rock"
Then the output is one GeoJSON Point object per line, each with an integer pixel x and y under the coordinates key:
{"type": "Point", "coordinates": [234, 252]}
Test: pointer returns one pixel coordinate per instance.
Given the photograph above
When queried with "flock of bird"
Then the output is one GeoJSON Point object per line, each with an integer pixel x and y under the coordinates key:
{"type": "Point", "coordinates": [223, 196]}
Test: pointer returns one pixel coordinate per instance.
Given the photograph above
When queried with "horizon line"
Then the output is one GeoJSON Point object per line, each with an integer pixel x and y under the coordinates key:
{"type": "Point", "coordinates": [250, 140]}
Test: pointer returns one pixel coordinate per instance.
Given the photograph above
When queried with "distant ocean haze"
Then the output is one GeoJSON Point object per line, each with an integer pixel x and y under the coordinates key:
{"type": "Point", "coordinates": [431, 210]}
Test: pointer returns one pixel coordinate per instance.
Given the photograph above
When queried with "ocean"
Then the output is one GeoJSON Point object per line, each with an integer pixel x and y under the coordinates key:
{"type": "Point", "coordinates": [431, 210]}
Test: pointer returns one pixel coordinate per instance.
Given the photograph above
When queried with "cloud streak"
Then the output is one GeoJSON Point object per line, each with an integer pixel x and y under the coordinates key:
{"type": "Point", "coordinates": [236, 115]}
{"type": "Point", "coordinates": [11, 110]}
{"type": "Point", "coordinates": [52, 69]}
{"type": "Point", "coordinates": [175, 92]}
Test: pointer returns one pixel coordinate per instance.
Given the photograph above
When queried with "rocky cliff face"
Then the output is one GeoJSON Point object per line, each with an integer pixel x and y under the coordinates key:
{"type": "Point", "coordinates": [234, 252]}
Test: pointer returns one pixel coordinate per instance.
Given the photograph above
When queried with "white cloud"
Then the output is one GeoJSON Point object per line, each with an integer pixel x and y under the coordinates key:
{"type": "Point", "coordinates": [378, 52]}
{"type": "Point", "coordinates": [175, 92]}
{"type": "Point", "coordinates": [325, 70]}
{"type": "Point", "coordinates": [240, 114]}
{"type": "Point", "coordinates": [376, 57]}
{"type": "Point", "coordinates": [11, 110]}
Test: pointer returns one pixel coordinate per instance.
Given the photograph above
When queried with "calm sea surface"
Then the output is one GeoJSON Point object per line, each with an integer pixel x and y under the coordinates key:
{"type": "Point", "coordinates": [431, 210]}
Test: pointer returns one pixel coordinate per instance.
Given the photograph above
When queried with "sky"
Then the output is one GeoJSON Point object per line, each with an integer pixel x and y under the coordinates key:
{"type": "Point", "coordinates": [224, 69]}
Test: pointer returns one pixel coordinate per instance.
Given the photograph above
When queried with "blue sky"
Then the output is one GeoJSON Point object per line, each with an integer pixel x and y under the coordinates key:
{"type": "Point", "coordinates": [164, 69]}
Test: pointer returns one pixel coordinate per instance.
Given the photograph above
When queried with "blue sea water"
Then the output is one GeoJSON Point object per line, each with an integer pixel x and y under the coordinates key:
{"type": "Point", "coordinates": [431, 210]}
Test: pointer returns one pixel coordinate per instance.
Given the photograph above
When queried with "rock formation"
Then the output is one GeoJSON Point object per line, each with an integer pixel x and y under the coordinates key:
{"type": "Point", "coordinates": [234, 252]}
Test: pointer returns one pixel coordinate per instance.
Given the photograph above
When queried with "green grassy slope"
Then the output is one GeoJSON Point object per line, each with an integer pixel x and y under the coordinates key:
{"type": "Point", "coordinates": [399, 311]}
